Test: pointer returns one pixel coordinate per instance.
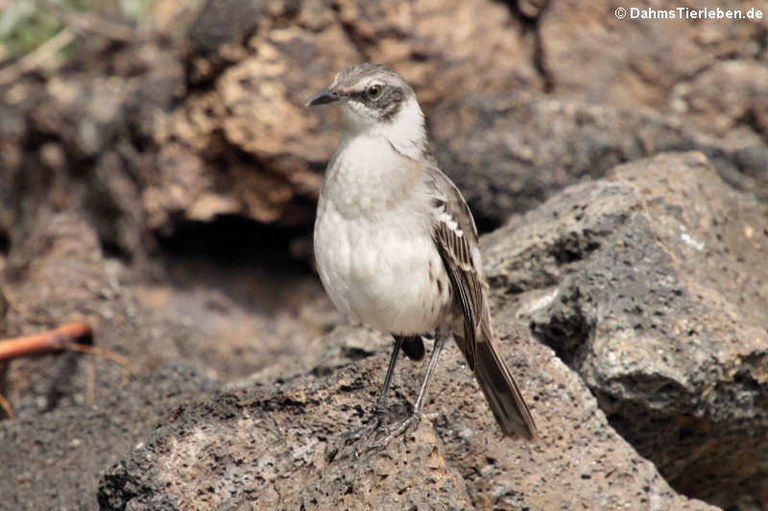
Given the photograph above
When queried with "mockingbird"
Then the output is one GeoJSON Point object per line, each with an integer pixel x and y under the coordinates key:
{"type": "Point", "coordinates": [396, 245]}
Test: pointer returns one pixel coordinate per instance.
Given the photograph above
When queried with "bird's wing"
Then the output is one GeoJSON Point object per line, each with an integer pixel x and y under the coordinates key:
{"type": "Point", "coordinates": [455, 236]}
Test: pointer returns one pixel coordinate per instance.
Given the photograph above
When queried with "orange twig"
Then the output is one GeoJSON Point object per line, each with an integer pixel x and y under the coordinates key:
{"type": "Point", "coordinates": [59, 339]}
{"type": "Point", "coordinates": [70, 336]}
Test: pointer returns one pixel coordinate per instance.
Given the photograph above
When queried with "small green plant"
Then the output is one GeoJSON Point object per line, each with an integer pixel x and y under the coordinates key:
{"type": "Point", "coordinates": [135, 10]}
{"type": "Point", "coordinates": [24, 26]}
{"type": "Point", "coordinates": [27, 24]}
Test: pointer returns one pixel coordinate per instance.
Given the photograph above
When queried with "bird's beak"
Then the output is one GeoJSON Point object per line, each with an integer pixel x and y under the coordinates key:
{"type": "Point", "coordinates": [324, 97]}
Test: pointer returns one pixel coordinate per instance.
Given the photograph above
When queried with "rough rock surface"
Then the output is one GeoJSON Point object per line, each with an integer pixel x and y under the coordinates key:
{"type": "Point", "coordinates": [287, 447]}
{"type": "Point", "coordinates": [653, 284]}
{"type": "Point", "coordinates": [219, 126]}
{"type": "Point", "coordinates": [510, 152]}
{"type": "Point", "coordinates": [590, 54]}
{"type": "Point", "coordinates": [729, 100]}
{"type": "Point", "coordinates": [153, 187]}
{"type": "Point", "coordinates": [257, 147]}
{"type": "Point", "coordinates": [145, 136]}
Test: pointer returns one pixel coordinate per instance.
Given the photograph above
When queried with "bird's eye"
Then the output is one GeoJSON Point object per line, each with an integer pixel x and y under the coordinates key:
{"type": "Point", "coordinates": [374, 91]}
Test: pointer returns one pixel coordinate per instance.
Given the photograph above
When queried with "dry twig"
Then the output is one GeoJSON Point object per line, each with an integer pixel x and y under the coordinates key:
{"type": "Point", "coordinates": [73, 336]}
{"type": "Point", "coordinates": [75, 23]}
{"type": "Point", "coordinates": [42, 54]}
{"type": "Point", "coordinates": [89, 23]}
{"type": "Point", "coordinates": [53, 340]}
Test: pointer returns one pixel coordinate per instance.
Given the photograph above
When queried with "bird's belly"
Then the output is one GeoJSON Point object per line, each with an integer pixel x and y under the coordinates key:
{"type": "Point", "coordinates": [384, 275]}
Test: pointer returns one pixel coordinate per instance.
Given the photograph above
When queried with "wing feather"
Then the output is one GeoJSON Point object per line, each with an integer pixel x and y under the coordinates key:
{"type": "Point", "coordinates": [455, 236]}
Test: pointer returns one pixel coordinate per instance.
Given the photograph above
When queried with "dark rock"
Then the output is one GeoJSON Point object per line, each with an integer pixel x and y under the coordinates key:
{"type": "Point", "coordinates": [508, 153]}
{"type": "Point", "coordinates": [222, 22]}
{"type": "Point", "coordinates": [652, 284]}
{"type": "Point", "coordinates": [246, 144]}
{"type": "Point", "coordinates": [653, 290]}
{"type": "Point", "coordinates": [143, 136]}
{"type": "Point", "coordinates": [289, 447]}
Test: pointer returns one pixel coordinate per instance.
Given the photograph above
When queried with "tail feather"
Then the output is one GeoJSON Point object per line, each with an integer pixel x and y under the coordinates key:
{"type": "Point", "coordinates": [501, 391]}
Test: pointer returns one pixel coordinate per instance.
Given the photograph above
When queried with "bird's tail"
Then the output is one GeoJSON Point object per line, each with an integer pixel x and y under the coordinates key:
{"type": "Point", "coordinates": [500, 388]}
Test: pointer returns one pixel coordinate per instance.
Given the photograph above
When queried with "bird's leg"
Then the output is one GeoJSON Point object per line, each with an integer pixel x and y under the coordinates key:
{"type": "Point", "coordinates": [381, 404]}
{"type": "Point", "coordinates": [416, 413]}
{"type": "Point", "coordinates": [376, 421]}
{"type": "Point", "coordinates": [439, 343]}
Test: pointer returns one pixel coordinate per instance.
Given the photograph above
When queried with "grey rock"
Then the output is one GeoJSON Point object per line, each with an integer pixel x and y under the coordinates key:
{"type": "Point", "coordinates": [653, 285]}
{"type": "Point", "coordinates": [289, 446]}
{"type": "Point", "coordinates": [222, 22]}
{"type": "Point", "coordinates": [510, 152]}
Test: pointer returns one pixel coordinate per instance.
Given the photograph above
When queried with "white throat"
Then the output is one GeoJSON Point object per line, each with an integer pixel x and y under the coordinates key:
{"type": "Point", "coordinates": [405, 131]}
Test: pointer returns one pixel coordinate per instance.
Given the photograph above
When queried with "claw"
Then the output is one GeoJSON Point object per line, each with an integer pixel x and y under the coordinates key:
{"type": "Point", "coordinates": [399, 430]}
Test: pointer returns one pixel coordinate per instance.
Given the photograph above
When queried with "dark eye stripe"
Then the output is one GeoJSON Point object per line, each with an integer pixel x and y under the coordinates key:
{"type": "Point", "coordinates": [387, 102]}
{"type": "Point", "coordinates": [390, 101]}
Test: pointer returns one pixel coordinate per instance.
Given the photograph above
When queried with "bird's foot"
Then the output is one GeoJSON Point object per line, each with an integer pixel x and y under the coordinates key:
{"type": "Point", "coordinates": [375, 434]}
{"type": "Point", "coordinates": [400, 428]}
{"type": "Point", "coordinates": [373, 424]}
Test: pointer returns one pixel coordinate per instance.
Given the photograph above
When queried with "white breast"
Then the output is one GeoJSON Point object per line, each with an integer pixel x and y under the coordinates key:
{"type": "Point", "coordinates": [373, 244]}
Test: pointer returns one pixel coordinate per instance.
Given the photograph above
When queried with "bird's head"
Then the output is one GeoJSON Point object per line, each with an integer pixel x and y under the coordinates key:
{"type": "Point", "coordinates": [375, 100]}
